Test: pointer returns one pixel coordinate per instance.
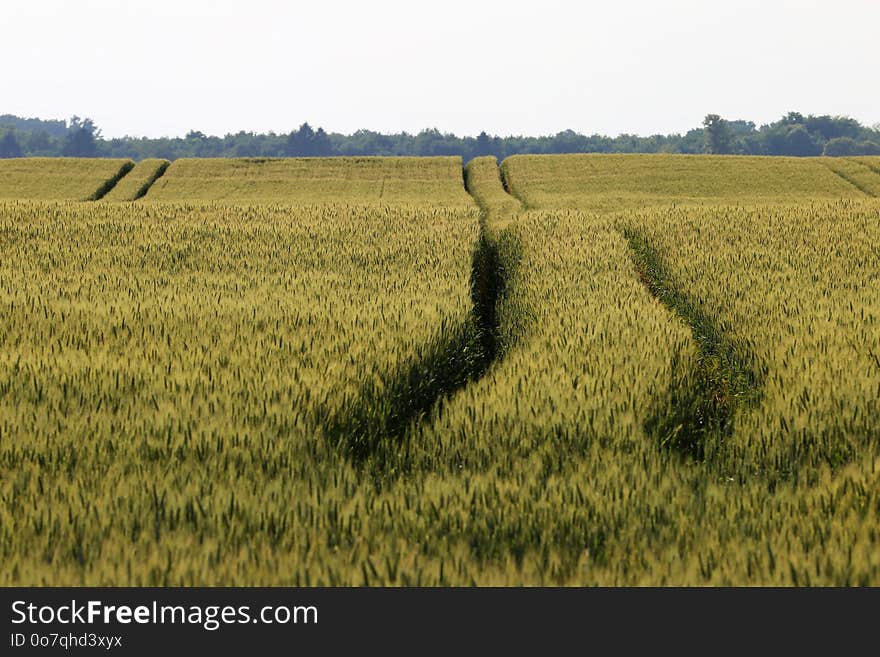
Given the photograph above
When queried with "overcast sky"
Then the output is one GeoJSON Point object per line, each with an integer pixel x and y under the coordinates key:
{"type": "Point", "coordinates": [164, 67]}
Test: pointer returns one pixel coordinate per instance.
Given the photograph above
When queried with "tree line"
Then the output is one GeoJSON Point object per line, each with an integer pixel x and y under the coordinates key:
{"type": "Point", "coordinates": [794, 134]}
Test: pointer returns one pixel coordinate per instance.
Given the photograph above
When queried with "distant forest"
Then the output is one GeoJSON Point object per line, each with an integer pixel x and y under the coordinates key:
{"type": "Point", "coordinates": [794, 134]}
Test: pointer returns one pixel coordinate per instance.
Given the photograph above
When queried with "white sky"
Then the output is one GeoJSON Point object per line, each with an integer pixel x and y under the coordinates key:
{"type": "Point", "coordinates": [163, 67]}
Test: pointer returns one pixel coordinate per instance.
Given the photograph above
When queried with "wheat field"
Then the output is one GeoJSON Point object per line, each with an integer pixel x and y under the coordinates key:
{"type": "Point", "coordinates": [569, 370]}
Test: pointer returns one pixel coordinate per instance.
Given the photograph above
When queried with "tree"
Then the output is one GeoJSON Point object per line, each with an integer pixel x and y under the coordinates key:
{"type": "Point", "coordinates": [9, 146]}
{"type": "Point", "coordinates": [483, 145]}
{"type": "Point", "coordinates": [433, 142]}
{"type": "Point", "coordinates": [40, 144]}
{"type": "Point", "coordinates": [841, 147]}
{"type": "Point", "coordinates": [792, 134]}
{"type": "Point", "coordinates": [832, 127]}
{"type": "Point", "coordinates": [307, 142]}
{"type": "Point", "coordinates": [301, 143]}
{"type": "Point", "coordinates": [53, 127]}
{"type": "Point", "coordinates": [81, 140]}
{"type": "Point", "coordinates": [800, 143]}
{"type": "Point", "coordinates": [793, 118]}
{"type": "Point", "coordinates": [321, 145]}
{"type": "Point", "coordinates": [692, 142]}
{"type": "Point", "coordinates": [719, 138]}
